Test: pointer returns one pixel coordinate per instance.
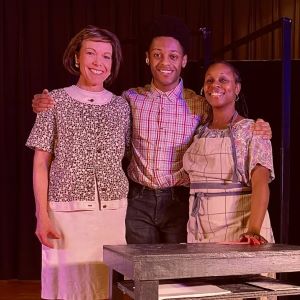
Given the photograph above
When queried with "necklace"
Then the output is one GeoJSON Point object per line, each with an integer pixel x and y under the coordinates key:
{"type": "Point", "coordinates": [222, 125]}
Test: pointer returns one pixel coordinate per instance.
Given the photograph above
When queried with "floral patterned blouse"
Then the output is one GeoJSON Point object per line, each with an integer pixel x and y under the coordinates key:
{"type": "Point", "coordinates": [88, 143]}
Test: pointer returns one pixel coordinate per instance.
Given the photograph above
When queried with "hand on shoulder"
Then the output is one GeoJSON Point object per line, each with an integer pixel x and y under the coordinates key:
{"type": "Point", "coordinates": [42, 102]}
{"type": "Point", "coordinates": [263, 129]}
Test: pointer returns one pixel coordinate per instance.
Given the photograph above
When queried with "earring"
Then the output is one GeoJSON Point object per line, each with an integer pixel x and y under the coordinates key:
{"type": "Point", "coordinates": [147, 61]}
{"type": "Point", "coordinates": [76, 62]}
{"type": "Point", "coordinates": [237, 98]}
{"type": "Point", "coordinates": [202, 92]}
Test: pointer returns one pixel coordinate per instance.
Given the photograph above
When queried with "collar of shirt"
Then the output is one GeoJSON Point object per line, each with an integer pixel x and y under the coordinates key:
{"type": "Point", "coordinates": [173, 95]}
{"type": "Point", "coordinates": [85, 96]}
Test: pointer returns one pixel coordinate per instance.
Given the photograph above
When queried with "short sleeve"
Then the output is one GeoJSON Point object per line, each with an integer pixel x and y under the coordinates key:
{"type": "Point", "coordinates": [43, 133]}
{"type": "Point", "coordinates": [260, 152]}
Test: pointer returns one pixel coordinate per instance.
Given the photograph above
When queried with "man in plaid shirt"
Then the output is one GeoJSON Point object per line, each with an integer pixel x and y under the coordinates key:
{"type": "Point", "coordinates": [165, 116]}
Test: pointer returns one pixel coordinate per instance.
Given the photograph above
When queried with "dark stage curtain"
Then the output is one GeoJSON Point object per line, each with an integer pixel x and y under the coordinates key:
{"type": "Point", "coordinates": [33, 36]}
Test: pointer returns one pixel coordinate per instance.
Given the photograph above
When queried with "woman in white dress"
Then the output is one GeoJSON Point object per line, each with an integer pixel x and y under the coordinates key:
{"type": "Point", "coordinates": [79, 184]}
{"type": "Point", "coordinates": [229, 168]}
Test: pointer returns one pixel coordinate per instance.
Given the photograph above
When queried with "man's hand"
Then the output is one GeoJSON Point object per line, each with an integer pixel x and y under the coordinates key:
{"type": "Point", "coordinates": [262, 128]}
{"type": "Point", "coordinates": [42, 102]}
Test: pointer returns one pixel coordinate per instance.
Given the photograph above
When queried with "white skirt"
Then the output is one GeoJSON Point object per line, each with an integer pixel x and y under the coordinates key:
{"type": "Point", "coordinates": [73, 269]}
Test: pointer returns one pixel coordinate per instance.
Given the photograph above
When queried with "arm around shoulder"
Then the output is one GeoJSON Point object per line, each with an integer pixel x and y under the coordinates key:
{"type": "Point", "coordinates": [263, 129]}
{"type": "Point", "coordinates": [42, 102]}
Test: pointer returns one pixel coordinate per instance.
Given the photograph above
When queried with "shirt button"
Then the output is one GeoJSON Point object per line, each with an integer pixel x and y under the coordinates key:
{"type": "Point", "coordinates": [104, 206]}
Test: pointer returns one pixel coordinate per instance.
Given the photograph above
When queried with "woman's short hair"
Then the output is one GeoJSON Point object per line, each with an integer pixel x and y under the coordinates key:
{"type": "Point", "coordinates": [95, 34]}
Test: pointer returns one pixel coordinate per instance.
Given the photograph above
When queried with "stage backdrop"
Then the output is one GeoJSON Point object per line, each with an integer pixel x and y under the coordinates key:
{"type": "Point", "coordinates": [33, 36]}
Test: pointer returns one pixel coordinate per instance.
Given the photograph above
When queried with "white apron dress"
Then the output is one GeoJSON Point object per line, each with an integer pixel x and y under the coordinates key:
{"type": "Point", "coordinates": [219, 207]}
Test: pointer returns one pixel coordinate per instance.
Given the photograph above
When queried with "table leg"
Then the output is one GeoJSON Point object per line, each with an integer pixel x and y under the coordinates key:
{"type": "Point", "coordinates": [146, 289]}
{"type": "Point", "coordinates": [115, 277]}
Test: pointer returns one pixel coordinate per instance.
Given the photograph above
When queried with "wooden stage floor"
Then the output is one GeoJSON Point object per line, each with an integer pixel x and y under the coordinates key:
{"type": "Point", "coordinates": [29, 290]}
{"type": "Point", "coordinates": [20, 290]}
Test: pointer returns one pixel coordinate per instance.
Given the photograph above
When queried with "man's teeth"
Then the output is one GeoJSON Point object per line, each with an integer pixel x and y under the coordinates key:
{"type": "Point", "coordinates": [216, 94]}
{"type": "Point", "coordinates": [165, 71]}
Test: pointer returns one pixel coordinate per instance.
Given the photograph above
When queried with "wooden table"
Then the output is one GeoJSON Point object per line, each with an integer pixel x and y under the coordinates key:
{"type": "Point", "coordinates": [146, 265]}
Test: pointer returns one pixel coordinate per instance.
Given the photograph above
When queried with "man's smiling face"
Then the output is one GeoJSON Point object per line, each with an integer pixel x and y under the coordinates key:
{"type": "Point", "coordinates": [166, 59]}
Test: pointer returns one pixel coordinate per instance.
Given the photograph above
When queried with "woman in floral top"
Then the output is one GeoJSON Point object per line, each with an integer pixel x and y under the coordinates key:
{"type": "Point", "coordinates": [79, 184]}
{"type": "Point", "coordinates": [229, 168]}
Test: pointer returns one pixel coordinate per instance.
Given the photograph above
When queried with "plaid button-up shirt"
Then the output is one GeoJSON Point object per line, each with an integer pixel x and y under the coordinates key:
{"type": "Point", "coordinates": [163, 127]}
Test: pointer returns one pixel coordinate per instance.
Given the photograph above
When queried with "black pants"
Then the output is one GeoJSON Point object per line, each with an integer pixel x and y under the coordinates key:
{"type": "Point", "coordinates": [157, 215]}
